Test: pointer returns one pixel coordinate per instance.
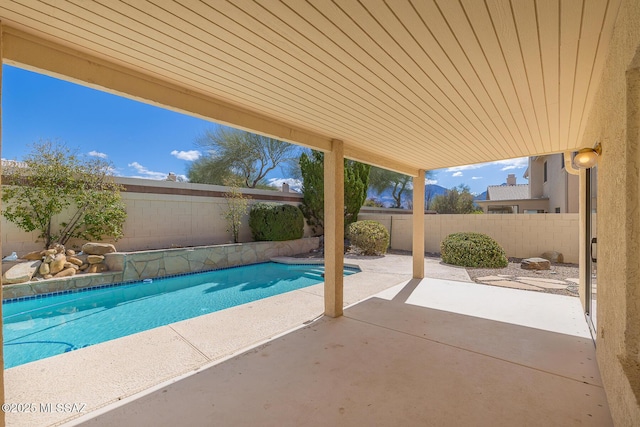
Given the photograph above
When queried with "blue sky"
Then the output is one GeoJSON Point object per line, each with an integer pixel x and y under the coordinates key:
{"type": "Point", "coordinates": [139, 139]}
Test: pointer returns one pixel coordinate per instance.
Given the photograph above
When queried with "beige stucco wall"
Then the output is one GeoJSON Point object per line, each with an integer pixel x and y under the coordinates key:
{"type": "Point", "coordinates": [614, 121]}
{"type": "Point", "coordinates": [521, 236]}
{"type": "Point", "coordinates": [156, 221]}
{"type": "Point", "coordinates": [522, 205]}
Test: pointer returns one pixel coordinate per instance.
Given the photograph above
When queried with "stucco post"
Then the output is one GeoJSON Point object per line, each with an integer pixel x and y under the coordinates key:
{"type": "Point", "coordinates": [418, 225]}
{"type": "Point", "coordinates": [1, 337]}
{"type": "Point", "coordinates": [333, 229]}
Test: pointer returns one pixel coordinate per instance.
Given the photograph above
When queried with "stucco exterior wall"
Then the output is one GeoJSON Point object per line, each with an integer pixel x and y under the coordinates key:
{"type": "Point", "coordinates": [614, 121]}
{"type": "Point", "coordinates": [156, 220]}
{"type": "Point", "coordinates": [521, 236]}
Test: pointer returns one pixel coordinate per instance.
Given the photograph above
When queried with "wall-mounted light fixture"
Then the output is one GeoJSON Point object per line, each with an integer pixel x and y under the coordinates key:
{"type": "Point", "coordinates": [587, 157]}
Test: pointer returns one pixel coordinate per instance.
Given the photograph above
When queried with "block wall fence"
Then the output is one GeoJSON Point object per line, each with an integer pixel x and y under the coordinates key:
{"type": "Point", "coordinates": [165, 214]}
{"type": "Point", "coordinates": [521, 235]}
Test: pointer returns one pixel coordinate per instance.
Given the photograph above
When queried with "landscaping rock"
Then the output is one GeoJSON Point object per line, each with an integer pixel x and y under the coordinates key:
{"type": "Point", "coordinates": [50, 252]}
{"type": "Point", "coordinates": [98, 248]}
{"type": "Point", "coordinates": [57, 265]}
{"type": "Point", "coordinates": [70, 252]}
{"type": "Point", "coordinates": [74, 260]}
{"type": "Point", "coordinates": [66, 272]}
{"type": "Point", "coordinates": [58, 248]}
{"type": "Point", "coordinates": [95, 259]}
{"type": "Point", "coordinates": [553, 256]}
{"type": "Point", "coordinates": [33, 256]}
{"type": "Point", "coordinates": [535, 264]}
{"type": "Point", "coordinates": [44, 269]}
{"type": "Point", "coordinates": [21, 273]}
{"type": "Point", "coordinates": [47, 276]}
{"type": "Point", "coordinates": [97, 268]}
{"type": "Point", "coordinates": [84, 267]}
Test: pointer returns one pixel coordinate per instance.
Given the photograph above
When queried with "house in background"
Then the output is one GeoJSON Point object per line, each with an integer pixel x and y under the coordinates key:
{"type": "Point", "coordinates": [551, 189]}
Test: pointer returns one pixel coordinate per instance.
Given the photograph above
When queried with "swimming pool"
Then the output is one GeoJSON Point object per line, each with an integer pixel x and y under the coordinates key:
{"type": "Point", "coordinates": [44, 327]}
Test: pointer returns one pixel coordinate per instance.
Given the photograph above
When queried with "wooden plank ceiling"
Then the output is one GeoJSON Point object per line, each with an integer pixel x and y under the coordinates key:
{"type": "Point", "coordinates": [425, 83]}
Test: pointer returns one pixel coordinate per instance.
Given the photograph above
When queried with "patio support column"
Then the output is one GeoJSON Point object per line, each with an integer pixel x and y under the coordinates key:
{"type": "Point", "coordinates": [418, 225]}
{"type": "Point", "coordinates": [333, 229]}
{"type": "Point", "coordinates": [1, 338]}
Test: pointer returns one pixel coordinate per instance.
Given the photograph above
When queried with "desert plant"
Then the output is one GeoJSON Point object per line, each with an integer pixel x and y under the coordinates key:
{"type": "Point", "coordinates": [468, 249]}
{"type": "Point", "coordinates": [55, 183]}
{"type": "Point", "coordinates": [369, 237]}
{"type": "Point", "coordinates": [237, 206]}
{"type": "Point", "coordinates": [276, 222]}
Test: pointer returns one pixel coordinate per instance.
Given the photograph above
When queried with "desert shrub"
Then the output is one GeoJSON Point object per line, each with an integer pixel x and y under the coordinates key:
{"type": "Point", "coordinates": [472, 250]}
{"type": "Point", "coordinates": [370, 237]}
{"type": "Point", "coordinates": [276, 222]}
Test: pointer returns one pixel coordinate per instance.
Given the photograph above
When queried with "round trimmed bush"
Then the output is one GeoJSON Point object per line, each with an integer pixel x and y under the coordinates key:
{"type": "Point", "coordinates": [276, 222]}
{"type": "Point", "coordinates": [370, 237]}
{"type": "Point", "coordinates": [472, 250]}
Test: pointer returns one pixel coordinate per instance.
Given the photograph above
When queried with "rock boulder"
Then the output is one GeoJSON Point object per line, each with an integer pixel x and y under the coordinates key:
{"type": "Point", "coordinates": [21, 273]}
{"type": "Point", "coordinates": [33, 256]}
{"type": "Point", "coordinates": [535, 264]}
{"type": "Point", "coordinates": [98, 248]}
{"type": "Point", "coordinates": [553, 256]}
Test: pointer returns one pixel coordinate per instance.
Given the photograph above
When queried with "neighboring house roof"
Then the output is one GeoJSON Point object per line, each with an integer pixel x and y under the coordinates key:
{"type": "Point", "coordinates": [508, 192]}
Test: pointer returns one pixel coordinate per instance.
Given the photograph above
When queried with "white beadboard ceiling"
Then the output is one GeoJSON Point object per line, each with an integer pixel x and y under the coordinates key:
{"type": "Point", "coordinates": [424, 83]}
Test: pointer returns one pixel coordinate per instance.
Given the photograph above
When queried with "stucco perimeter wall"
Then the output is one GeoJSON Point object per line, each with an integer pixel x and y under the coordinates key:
{"type": "Point", "coordinates": [163, 214]}
{"type": "Point", "coordinates": [521, 235]}
{"type": "Point", "coordinates": [132, 266]}
{"type": "Point", "coordinates": [614, 121]}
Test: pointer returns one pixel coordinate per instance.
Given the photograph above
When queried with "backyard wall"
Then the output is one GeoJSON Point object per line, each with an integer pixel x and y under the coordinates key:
{"type": "Point", "coordinates": [521, 236]}
{"type": "Point", "coordinates": [164, 214]}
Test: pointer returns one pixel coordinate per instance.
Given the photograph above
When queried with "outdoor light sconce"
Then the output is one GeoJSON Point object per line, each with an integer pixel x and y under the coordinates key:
{"type": "Point", "coordinates": [587, 157]}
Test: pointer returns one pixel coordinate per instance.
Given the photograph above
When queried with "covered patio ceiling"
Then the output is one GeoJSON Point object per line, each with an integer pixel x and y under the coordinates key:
{"type": "Point", "coordinates": [405, 84]}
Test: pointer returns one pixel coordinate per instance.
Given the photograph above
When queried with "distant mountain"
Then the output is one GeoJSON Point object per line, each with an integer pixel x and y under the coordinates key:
{"type": "Point", "coordinates": [430, 191]}
{"type": "Point", "coordinates": [481, 196]}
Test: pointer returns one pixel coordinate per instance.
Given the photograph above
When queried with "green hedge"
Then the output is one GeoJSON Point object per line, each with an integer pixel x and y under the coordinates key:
{"type": "Point", "coordinates": [276, 222]}
{"type": "Point", "coordinates": [472, 250]}
{"type": "Point", "coordinates": [370, 237]}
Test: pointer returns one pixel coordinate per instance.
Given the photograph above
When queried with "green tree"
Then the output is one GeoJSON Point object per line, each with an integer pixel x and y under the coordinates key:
{"type": "Point", "coordinates": [53, 181]}
{"type": "Point", "coordinates": [238, 154]}
{"type": "Point", "coordinates": [382, 179]}
{"type": "Point", "coordinates": [237, 207]}
{"type": "Point", "coordinates": [356, 182]}
{"type": "Point", "coordinates": [457, 200]}
{"type": "Point", "coordinates": [401, 185]}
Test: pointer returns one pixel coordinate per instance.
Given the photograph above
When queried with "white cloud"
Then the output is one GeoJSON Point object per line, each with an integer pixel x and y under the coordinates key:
{"type": "Point", "coordinates": [95, 153]}
{"type": "Point", "coordinates": [146, 173]}
{"type": "Point", "coordinates": [428, 181]}
{"type": "Point", "coordinates": [457, 174]}
{"type": "Point", "coordinates": [294, 184]}
{"type": "Point", "coordinates": [518, 163]}
{"type": "Point", "coordinates": [190, 155]}
{"type": "Point", "coordinates": [466, 167]}
{"type": "Point", "coordinates": [476, 177]}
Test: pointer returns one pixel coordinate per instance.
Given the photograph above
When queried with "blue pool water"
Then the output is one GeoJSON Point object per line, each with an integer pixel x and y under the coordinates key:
{"type": "Point", "coordinates": [39, 328]}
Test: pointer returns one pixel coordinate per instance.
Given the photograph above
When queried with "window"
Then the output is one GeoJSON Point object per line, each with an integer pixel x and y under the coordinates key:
{"type": "Point", "coordinates": [561, 160]}
{"type": "Point", "coordinates": [544, 168]}
{"type": "Point", "coordinates": [557, 210]}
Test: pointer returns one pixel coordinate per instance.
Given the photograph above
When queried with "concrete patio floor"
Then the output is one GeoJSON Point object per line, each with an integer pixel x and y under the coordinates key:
{"type": "Point", "coordinates": [428, 352]}
{"type": "Point", "coordinates": [109, 372]}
